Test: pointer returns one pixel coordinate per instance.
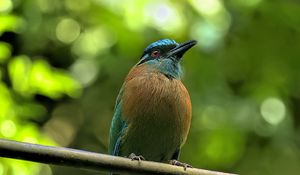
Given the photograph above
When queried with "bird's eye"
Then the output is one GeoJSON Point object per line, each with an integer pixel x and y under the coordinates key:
{"type": "Point", "coordinates": [155, 54]}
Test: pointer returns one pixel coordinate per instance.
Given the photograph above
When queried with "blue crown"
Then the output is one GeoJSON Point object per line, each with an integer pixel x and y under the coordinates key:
{"type": "Point", "coordinates": [162, 42]}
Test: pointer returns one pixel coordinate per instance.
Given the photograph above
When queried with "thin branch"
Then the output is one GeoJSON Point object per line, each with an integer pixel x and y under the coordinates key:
{"type": "Point", "coordinates": [90, 160]}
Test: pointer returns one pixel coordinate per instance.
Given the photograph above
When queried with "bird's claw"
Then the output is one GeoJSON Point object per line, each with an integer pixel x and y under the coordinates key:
{"type": "Point", "coordinates": [177, 163]}
{"type": "Point", "coordinates": [132, 156]}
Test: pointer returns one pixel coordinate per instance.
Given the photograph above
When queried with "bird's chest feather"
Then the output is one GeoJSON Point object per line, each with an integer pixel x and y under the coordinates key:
{"type": "Point", "coordinates": [158, 112]}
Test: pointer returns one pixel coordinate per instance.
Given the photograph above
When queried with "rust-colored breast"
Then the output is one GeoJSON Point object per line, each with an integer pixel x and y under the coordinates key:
{"type": "Point", "coordinates": [151, 98]}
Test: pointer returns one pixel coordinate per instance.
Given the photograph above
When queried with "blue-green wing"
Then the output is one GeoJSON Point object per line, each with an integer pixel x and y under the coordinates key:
{"type": "Point", "coordinates": [118, 126]}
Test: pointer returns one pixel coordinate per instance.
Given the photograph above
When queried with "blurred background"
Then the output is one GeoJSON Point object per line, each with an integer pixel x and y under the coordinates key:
{"type": "Point", "coordinates": [62, 63]}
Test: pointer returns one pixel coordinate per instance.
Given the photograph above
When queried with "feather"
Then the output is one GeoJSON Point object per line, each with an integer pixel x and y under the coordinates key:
{"type": "Point", "coordinates": [118, 127]}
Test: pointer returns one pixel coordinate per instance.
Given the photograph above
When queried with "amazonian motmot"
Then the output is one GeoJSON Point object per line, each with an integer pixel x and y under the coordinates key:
{"type": "Point", "coordinates": [153, 109]}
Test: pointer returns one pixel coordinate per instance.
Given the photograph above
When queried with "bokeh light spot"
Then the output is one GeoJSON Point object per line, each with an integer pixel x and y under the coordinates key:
{"type": "Point", "coordinates": [11, 23]}
{"type": "Point", "coordinates": [67, 30]}
{"type": "Point", "coordinates": [273, 110]}
{"type": "Point", "coordinates": [52, 82]}
{"type": "Point", "coordinates": [5, 51]}
{"type": "Point", "coordinates": [93, 41]}
{"type": "Point", "coordinates": [18, 69]}
{"type": "Point", "coordinates": [208, 35]}
{"type": "Point", "coordinates": [8, 128]}
{"type": "Point", "coordinates": [163, 14]}
{"type": "Point", "coordinates": [85, 71]}
{"type": "Point", "coordinates": [207, 7]}
{"type": "Point", "coordinates": [39, 77]}
{"type": "Point", "coordinates": [5, 5]}
{"type": "Point", "coordinates": [164, 17]}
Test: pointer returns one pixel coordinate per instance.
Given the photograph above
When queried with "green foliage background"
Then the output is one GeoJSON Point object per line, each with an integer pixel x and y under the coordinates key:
{"type": "Point", "coordinates": [62, 63]}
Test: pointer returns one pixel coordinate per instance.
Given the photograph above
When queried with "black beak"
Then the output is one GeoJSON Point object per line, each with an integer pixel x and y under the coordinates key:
{"type": "Point", "coordinates": [179, 50]}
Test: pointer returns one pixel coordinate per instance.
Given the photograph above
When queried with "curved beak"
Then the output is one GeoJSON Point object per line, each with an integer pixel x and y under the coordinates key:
{"type": "Point", "coordinates": [180, 49]}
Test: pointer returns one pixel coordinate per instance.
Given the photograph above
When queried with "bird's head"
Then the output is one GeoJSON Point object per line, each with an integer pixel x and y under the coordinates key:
{"type": "Point", "coordinates": [165, 55]}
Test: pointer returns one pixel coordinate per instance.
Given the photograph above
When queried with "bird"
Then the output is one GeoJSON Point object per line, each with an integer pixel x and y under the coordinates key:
{"type": "Point", "coordinates": [153, 112]}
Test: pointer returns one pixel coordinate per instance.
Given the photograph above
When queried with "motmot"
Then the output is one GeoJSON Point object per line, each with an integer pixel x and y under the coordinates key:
{"type": "Point", "coordinates": [153, 110]}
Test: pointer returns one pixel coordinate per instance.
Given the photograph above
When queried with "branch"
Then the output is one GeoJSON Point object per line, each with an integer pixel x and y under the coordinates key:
{"type": "Point", "coordinates": [89, 160]}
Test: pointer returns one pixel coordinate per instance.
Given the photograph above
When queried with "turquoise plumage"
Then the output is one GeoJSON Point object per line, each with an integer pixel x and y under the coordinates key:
{"type": "Point", "coordinates": [153, 109]}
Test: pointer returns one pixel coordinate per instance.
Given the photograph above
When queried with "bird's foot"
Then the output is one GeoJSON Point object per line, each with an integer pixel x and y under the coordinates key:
{"type": "Point", "coordinates": [177, 163]}
{"type": "Point", "coordinates": [132, 156]}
